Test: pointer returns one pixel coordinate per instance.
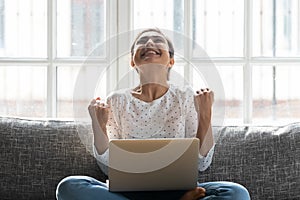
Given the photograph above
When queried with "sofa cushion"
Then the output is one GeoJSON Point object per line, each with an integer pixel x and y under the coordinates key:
{"type": "Point", "coordinates": [36, 154]}
{"type": "Point", "coordinates": [266, 160]}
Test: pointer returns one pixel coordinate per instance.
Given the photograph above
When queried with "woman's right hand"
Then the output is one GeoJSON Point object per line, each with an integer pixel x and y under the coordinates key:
{"type": "Point", "coordinates": [99, 112]}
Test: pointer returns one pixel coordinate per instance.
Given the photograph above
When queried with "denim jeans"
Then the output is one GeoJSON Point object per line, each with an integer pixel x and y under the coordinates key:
{"type": "Point", "coordinates": [87, 188]}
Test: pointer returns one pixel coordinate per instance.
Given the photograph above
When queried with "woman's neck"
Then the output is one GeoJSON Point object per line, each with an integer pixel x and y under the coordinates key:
{"type": "Point", "coordinates": [150, 92]}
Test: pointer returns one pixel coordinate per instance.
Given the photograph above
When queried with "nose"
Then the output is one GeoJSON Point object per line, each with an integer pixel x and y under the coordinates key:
{"type": "Point", "coordinates": [150, 42]}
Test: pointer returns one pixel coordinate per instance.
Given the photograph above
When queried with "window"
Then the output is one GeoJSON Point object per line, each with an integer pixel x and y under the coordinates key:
{"type": "Point", "coordinates": [246, 41]}
{"type": "Point", "coordinates": [42, 46]}
{"type": "Point", "coordinates": [247, 51]}
{"type": "Point", "coordinates": [1, 24]}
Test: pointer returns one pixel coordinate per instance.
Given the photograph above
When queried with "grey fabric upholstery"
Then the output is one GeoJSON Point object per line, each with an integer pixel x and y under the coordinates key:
{"type": "Point", "coordinates": [36, 154]}
{"type": "Point", "coordinates": [264, 159]}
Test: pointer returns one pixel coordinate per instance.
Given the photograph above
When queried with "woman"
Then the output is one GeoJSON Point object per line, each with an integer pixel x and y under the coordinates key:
{"type": "Point", "coordinates": [154, 109]}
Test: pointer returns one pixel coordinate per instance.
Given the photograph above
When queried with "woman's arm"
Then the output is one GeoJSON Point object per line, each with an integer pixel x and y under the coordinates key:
{"type": "Point", "coordinates": [99, 116]}
{"type": "Point", "coordinates": [205, 137]}
{"type": "Point", "coordinates": [203, 103]}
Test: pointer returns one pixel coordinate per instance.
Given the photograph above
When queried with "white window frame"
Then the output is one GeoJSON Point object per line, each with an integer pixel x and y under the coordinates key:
{"type": "Point", "coordinates": [247, 60]}
{"type": "Point", "coordinates": [119, 19]}
{"type": "Point", "coordinates": [53, 62]}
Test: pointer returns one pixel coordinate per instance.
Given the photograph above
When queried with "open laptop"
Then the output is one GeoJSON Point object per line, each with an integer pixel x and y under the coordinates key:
{"type": "Point", "coordinates": [153, 164]}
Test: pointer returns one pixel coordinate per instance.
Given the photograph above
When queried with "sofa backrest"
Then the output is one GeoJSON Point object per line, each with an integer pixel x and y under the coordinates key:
{"type": "Point", "coordinates": [265, 159]}
{"type": "Point", "coordinates": [36, 154]}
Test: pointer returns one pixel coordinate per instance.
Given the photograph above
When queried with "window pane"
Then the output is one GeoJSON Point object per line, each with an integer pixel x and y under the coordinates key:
{"type": "Point", "coordinates": [166, 14]}
{"type": "Point", "coordinates": [176, 75]}
{"type": "Point", "coordinates": [23, 91]}
{"type": "Point", "coordinates": [218, 27]}
{"type": "Point", "coordinates": [66, 78]}
{"type": "Point", "coordinates": [76, 86]}
{"type": "Point", "coordinates": [80, 27]}
{"type": "Point", "coordinates": [275, 93]}
{"type": "Point", "coordinates": [232, 79]}
{"type": "Point", "coordinates": [23, 28]}
{"type": "Point", "coordinates": [276, 28]}
{"type": "Point", "coordinates": [228, 106]}
{"type": "Point", "coordinates": [2, 16]}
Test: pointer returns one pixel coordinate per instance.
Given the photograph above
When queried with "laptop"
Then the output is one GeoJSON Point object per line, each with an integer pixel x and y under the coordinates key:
{"type": "Point", "coordinates": [153, 164]}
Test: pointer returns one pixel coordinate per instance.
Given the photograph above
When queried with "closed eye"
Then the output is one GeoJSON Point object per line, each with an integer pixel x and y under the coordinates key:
{"type": "Point", "coordinates": [142, 40]}
{"type": "Point", "coordinates": [155, 39]}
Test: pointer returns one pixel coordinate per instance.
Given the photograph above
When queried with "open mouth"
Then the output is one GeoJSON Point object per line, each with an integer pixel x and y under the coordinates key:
{"type": "Point", "coordinates": [146, 52]}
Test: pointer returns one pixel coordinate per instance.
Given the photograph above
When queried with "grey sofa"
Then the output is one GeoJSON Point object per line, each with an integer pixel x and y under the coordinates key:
{"type": "Point", "coordinates": [36, 154]}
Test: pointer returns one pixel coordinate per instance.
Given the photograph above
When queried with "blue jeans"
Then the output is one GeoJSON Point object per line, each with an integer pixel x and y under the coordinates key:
{"type": "Point", "coordinates": [87, 188]}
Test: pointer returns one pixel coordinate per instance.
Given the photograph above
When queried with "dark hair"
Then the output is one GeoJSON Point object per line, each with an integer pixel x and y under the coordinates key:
{"type": "Point", "coordinates": [170, 44]}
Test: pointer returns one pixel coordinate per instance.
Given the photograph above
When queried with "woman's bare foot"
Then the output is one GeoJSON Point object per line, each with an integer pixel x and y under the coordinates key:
{"type": "Point", "coordinates": [194, 194]}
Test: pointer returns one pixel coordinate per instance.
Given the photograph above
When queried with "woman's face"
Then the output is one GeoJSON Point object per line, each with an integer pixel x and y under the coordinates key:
{"type": "Point", "coordinates": [151, 48]}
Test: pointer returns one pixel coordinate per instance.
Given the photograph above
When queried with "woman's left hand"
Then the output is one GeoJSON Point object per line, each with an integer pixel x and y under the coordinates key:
{"type": "Point", "coordinates": [204, 100]}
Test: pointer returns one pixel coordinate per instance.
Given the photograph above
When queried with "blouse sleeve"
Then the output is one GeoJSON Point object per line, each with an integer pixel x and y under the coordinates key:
{"type": "Point", "coordinates": [190, 113]}
{"type": "Point", "coordinates": [205, 161]}
{"type": "Point", "coordinates": [113, 132]}
{"type": "Point", "coordinates": [114, 124]}
{"type": "Point", "coordinates": [191, 126]}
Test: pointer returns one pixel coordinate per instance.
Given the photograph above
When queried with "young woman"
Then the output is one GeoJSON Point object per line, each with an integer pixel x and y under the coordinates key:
{"type": "Point", "coordinates": [154, 109]}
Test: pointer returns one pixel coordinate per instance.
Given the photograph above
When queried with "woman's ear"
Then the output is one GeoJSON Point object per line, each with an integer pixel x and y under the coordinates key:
{"type": "Point", "coordinates": [132, 63]}
{"type": "Point", "coordinates": [171, 62]}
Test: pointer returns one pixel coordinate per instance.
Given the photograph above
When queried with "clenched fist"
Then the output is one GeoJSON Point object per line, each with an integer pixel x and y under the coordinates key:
{"type": "Point", "coordinates": [99, 111]}
{"type": "Point", "coordinates": [204, 100]}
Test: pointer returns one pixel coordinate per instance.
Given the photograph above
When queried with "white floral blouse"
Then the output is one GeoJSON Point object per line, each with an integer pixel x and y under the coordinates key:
{"type": "Point", "coordinates": [171, 116]}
